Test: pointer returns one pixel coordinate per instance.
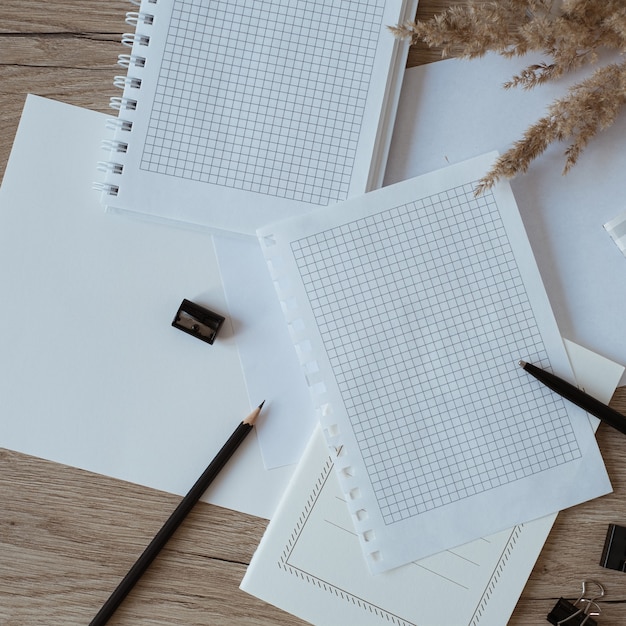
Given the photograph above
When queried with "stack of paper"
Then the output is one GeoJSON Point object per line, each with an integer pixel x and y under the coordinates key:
{"type": "Point", "coordinates": [411, 307]}
{"type": "Point", "coordinates": [309, 562]}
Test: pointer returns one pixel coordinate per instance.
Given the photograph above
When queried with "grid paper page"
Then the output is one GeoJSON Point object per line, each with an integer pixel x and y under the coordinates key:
{"type": "Point", "coordinates": [419, 304]}
{"type": "Point", "coordinates": [278, 108]}
{"type": "Point", "coordinates": [393, 305]}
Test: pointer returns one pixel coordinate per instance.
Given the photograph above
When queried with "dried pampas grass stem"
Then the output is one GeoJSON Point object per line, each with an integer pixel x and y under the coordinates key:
{"type": "Point", "coordinates": [570, 40]}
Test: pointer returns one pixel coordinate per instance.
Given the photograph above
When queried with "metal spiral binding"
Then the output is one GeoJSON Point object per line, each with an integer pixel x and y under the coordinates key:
{"type": "Point", "coordinates": [106, 188]}
{"type": "Point", "coordinates": [126, 60]}
{"type": "Point", "coordinates": [116, 123]}
{"type": "Point", "coordinates": [130, 39]}
{"type": "Point", "coordinates": [114, 145]}
{"type": "Point", "coordinates": [127, 81]}
{"type": "Point", "coordinates": [134, 18]}
{"type": "Point", "coordinates": [123, 104]}
{"type": "Point", "coordinates": [126, 104]}
{"type": "Point", "coordinates": [109, 166]}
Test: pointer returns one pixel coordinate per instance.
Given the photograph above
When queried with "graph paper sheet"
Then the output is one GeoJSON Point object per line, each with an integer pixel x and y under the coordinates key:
{"type": "Point", "coordinates": [255, 110]}
{"type": "Point", "coordinates": [410, 308]}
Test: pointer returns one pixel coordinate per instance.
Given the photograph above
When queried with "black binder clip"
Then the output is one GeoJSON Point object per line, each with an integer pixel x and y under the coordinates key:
{"type": "Point", "coordinates": [614, 551]}
{"type": "Point", "coordinates": [579, 613]}
{"type": "Point", "coordinates": [197, 321]}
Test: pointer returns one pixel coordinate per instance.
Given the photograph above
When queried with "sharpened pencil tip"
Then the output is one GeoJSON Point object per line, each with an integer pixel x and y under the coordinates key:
{"type": "Point", "coordinates": [252, 417]}
{"type": "Point", "coordinates": [522, 363]}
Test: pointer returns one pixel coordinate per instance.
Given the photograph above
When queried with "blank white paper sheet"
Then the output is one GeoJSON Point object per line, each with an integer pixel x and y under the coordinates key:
{"type": "Point", "coordinates": [92, 374]}
{"type": "Point", "coordinates": [410, 308]}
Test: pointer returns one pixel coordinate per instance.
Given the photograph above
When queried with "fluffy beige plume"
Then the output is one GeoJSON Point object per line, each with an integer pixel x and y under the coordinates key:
{"type": "Point", "coordinates": [569, 40]}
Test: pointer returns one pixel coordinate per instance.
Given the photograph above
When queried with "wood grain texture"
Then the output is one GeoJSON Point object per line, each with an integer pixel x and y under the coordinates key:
{"type": "Point", "coordinates": [67, 536]}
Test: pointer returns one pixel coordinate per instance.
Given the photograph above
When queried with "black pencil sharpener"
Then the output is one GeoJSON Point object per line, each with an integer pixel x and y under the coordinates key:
{"type": "Point", "coordinates": [198, 321]}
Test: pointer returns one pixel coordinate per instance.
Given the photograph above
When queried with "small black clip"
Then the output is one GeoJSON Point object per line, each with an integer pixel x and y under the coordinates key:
{"type": "Point", "coordinates": [580, 612]}
{"type": "Point", "coordinates": [614, 551]}
{"type": "Point", "coordinates": [197, 321]}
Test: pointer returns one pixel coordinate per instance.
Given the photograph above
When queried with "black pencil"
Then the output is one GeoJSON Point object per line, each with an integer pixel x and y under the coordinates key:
{"type": "Point", "coordinates": [580, 398]}
{"type": "Point", "coordinates": [175, 519]}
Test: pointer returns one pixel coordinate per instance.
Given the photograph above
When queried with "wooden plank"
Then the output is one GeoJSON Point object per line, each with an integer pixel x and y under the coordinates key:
{"type": "Point", "coordinates": [64, 16]}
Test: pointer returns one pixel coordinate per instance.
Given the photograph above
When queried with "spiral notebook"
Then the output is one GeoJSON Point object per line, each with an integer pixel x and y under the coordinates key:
{"type": "Point", "coordinates": [235, 114]}
{"type": "Point", "coordinates": [410, 308]}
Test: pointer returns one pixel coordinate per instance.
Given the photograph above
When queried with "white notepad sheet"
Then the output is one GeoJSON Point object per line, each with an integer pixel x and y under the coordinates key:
{"type": "Point", "coordinates": [410, 308]}
{"type": "Point", "coordinates": [91, 372]}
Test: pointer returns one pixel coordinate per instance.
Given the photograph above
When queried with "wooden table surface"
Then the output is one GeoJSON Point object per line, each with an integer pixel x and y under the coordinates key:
{"type": "Point", "coordinates": [68, 536]}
